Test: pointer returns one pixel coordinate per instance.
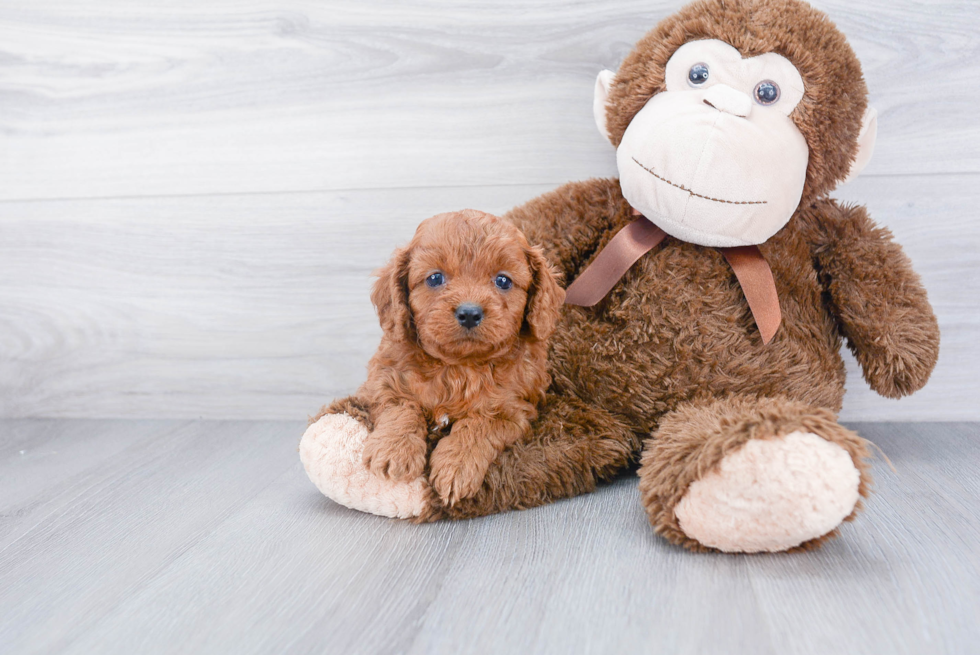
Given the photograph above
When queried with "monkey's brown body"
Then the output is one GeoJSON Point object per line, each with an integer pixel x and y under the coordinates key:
{"type": "Point", "coordinates": [674, 346]}
{"type": "Point", "coordinates": [677, 326]}
{"type": "Point", "coordinates": [738, 443]}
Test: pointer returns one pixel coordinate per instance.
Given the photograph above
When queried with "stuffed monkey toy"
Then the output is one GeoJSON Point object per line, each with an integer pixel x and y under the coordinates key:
{"type": "Point", "coordinates": [711, 287]}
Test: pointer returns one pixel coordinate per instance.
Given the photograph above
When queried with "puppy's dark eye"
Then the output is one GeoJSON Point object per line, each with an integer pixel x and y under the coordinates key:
{"type": "Point", "coordinates": [767, 92]}
{"type": "Point", "coordinates": [503, 282]}
{"type": "Point", "coordinates": [437, 279]}
{"type": "Point", "coordinates": [698, 74]}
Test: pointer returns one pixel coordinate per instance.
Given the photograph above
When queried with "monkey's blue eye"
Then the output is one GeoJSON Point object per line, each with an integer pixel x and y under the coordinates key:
{"type": "Point", "coordinates": [698, 74]}
{"type": "Point", "coordinates": [437, 279]}
{"type": "Point", "coordinates": [767, 92]}
{"type": "Point", "coordinates": [503, 282]}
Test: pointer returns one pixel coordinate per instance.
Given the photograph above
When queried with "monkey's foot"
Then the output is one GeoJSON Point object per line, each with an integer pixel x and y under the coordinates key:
{"type": "Point", "coordinates": [781, 478]}
{"type": "Point", "coordinates": [331, 451]}
{"type": "Point", "coordinates": [771, 495]}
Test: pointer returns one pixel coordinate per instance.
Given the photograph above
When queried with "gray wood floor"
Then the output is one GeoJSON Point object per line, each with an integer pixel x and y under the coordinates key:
{"type": "Point", "coordinates": [206, 536]}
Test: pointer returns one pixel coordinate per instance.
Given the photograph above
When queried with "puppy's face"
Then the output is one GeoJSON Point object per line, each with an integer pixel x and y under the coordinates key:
{"type": "Point", "coordinates": [468, 283]}
{"type": "Point", "coordinates": [472, 286]}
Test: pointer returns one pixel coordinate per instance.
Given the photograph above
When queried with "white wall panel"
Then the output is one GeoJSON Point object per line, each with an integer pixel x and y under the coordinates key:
{"type": "Point", "coordinates": [193, 195]}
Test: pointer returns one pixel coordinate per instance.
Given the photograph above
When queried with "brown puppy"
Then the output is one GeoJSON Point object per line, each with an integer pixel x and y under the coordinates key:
{"type": "Point", "coordinates": [467, 308]}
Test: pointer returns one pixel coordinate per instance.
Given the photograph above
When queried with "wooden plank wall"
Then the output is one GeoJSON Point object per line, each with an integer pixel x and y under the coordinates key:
{"type": "Point", "coordinates": [193, 195]}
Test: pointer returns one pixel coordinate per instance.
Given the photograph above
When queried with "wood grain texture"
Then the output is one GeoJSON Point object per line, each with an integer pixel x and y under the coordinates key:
{"type": "Point", "coordinates": [87, 542]}
{"type": "Point", "coordinates": [257, 306]}
{"type": "Point", "coordinates": [111, 99]}
{"type": "Point", "coordinates": [192, 195]}
{"type": "Point", "coordinates": [207, 537]}
{"type": "Point", "coordinates": [216, 306]}
{"type": "Point", "coordinates": [45, 466]}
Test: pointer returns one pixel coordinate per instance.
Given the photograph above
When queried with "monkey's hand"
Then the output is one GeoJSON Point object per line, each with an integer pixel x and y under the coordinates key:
{"type": "Point", "coordinates": [879, 301]}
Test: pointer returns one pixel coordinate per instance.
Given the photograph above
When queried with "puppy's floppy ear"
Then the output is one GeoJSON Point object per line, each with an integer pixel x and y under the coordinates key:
{"type": "Point", "coordinates": [390, 296]}
{"type": "Point", "coordinates": [544, 298]}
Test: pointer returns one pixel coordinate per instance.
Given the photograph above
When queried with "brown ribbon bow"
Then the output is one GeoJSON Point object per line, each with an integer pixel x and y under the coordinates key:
{"type": "Point", "coordinates": [639, 237]}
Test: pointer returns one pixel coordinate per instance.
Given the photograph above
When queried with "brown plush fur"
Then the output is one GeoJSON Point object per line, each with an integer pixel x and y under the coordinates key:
{"type": "Point", "coordinates": [671, 363]}
{"type": "Point", "coordinates": [676, 332]}
{"type": "Point", "coordinates": [473, 391]}
{"type": "Point", "coordinates": [693, 439]}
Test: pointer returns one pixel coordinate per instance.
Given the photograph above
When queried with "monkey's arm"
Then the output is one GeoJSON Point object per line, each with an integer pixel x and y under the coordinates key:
{"type": "Point", "coordinates": [570, 222]}
{"type": "Point", "coordinates": [878, 300]}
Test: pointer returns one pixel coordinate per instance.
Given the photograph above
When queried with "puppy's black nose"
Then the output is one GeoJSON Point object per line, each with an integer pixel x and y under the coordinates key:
{"type": "Point", "coordinates": [469, 315]}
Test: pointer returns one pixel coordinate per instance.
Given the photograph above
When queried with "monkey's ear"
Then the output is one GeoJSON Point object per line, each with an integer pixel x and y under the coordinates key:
{"type": "Point", "coordinates": [390, 297]}
{"type": "Point", "coordinates": [602, 84]}
{"type": "Point", "coordinates": [866, 143]}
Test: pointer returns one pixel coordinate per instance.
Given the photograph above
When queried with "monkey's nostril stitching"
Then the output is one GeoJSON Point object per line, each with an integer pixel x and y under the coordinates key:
{"type": "Point", "coordinates": [709, 104]}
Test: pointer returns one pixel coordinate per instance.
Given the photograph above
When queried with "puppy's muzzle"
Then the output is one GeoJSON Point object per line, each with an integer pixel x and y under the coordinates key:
{"type": "Point", "coordinates": [469, 315]}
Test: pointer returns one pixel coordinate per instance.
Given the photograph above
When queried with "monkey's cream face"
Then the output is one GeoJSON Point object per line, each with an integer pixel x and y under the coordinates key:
{"type": "Point", "coordinates": [716, 159]}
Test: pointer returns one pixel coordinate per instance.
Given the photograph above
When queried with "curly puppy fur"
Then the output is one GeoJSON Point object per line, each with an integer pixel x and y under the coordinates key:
{"type": "Point", "coordinates": [676, 335]}
{"type": "Point", "coordinates": [469, 391]}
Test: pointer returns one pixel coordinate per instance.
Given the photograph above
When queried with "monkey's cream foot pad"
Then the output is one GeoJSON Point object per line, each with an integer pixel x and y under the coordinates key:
{"type": "Point", "coordinates": [331, 452]}
{"type": "Point", "coordinates": [771, 495]}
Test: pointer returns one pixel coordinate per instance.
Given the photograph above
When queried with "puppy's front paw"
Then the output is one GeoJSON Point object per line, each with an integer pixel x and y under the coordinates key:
{"type": "Point", "coordinates": [400, 457]}
{"type": "Point", "coordinates": [454, 471]}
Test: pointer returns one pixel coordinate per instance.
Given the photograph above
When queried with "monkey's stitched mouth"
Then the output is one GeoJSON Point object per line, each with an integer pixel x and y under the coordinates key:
{"type": "Point", "coordinates": [698, 195]}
